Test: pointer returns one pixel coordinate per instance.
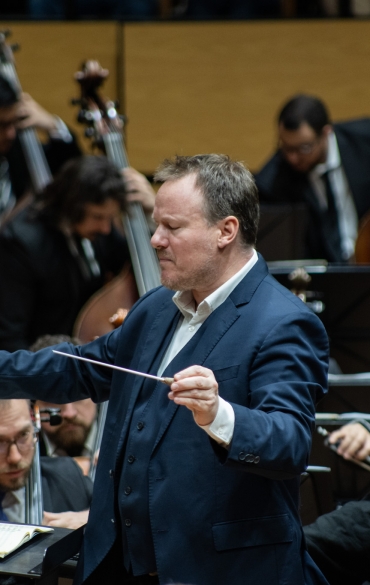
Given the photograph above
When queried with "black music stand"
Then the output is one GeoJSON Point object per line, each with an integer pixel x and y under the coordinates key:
{"type": "Point", "coordinates": [282, 231]}
{"type": "Point", "coordinates": [41, 557]}
{"type": "Point", "coordinates": [342, 294]}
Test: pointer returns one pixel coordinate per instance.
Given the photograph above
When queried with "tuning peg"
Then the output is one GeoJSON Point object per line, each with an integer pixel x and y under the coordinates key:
{"type": "Point", "coordinates": [76, 101]}
{"type": "Point", "coordinates": [6, 32]}
{"type": "Point", "coordinates": [89, 132]}
{"type": "Point", "coordinates": [15, 47]}
{"type": "Point", "coordinates": [84, 116]}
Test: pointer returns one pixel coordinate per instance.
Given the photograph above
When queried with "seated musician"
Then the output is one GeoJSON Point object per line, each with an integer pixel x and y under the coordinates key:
{"type": "Point", "coordinates": [325, 166]}
{"type": "Point", "coordinates": [17, 113]}
{"type": "Point", "coordinates": [62, 248]}
{"type": "Point", "coordinates": [75, 435]}
{"type": "Point", "coordinates": [339, 542]}
{"type": "Point", "coordinates": [66, 492]}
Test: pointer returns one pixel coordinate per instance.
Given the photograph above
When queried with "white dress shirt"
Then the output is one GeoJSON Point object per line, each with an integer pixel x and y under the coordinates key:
{"type": "Point", "coordinates": [14, 505]}
{"type": "Point", "coordinates": [347, 214]}
{"type": "Point", "coordinates": [222, 428]}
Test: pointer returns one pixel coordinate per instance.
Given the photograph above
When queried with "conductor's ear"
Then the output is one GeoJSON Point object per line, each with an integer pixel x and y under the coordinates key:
{"type": "Point", "coordinates": [229, 229]}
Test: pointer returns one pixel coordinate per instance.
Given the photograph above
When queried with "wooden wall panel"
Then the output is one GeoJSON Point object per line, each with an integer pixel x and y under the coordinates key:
{"type": "Point", "coordinates": [50, 53]}
{"type": "Point", "coordinates": [200, 87]}
{"type": "Point", "coordinates": [216, 87]}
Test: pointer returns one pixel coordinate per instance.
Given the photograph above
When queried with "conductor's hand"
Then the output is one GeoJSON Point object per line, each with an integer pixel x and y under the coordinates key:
{"type": "Point", "coordinates": [31, 114]}
{"type": "Point", "coordinates": [138, 189]}
{"type": "Point", "coordinates": [197, 389]}
{"type": "Point", "coordinates": [66, 519]}
{"type": "Point", "coordinates": [354, 441]}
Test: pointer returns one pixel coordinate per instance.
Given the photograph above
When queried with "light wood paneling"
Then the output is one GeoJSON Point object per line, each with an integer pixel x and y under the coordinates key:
{"type": "Point", "coordinates": [50, 53]}
{"type": "Point", "coordinates": [200, 87]}
{"type": "Point", "coordinates": [216, 87]}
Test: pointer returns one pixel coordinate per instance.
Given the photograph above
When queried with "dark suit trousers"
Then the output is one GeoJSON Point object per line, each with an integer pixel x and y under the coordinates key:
{"type": "Point", "coordinates": [107, 571]}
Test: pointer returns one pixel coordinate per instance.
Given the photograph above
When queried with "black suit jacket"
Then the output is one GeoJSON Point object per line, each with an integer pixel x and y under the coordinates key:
{"type": "Point", "coordinates": [278, 182]}
{"type": "Point", "coordinates": [64, 487]}
{"type": "Point", "coordinates": [42, 287]}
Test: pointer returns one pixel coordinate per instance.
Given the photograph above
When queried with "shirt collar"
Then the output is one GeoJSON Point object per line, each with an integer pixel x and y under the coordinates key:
{"type": "Point", "coordinates": [333, 160]}
{"type": "Point", "coordinates": [185, 302]}
{"type": "Point", "coordinates": [13, 498]}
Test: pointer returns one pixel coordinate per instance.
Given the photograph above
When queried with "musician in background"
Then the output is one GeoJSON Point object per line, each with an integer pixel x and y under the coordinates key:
{"type": "Point", "coordinates": [17, 114]}
{"type": "Point", "coordinates": [324, 165]}
{"type": "Point", "coordinates": [339, 542]}
{"type": "Point", "coordinates": [66, 492]}
{"type": "Point", "coordinates": [63, 247]}
{"type": "Point", "coordinates": [76, 434]}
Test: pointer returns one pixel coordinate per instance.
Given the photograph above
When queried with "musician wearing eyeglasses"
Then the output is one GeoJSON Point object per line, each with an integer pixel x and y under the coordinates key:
{"type": "Point", "coordinates": [325, 166]}
{"type": "Point", "coordinates": [66, 492]}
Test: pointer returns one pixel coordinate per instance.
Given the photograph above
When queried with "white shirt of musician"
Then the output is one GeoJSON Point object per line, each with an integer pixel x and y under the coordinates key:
{"type": "Point", "coordinates": [347, 214]}
{"type": "Point", "coordinates": [14, 505]}
{"type": "Point", "coordinates": [222, 428]}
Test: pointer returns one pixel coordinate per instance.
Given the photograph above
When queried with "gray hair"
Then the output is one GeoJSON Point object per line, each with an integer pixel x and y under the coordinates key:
{"type": "Point", "coordinates": [227, 186]}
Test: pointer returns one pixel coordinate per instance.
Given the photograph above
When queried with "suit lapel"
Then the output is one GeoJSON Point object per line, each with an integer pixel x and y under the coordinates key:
{"type": "Point", "coordinates": [197, 350]}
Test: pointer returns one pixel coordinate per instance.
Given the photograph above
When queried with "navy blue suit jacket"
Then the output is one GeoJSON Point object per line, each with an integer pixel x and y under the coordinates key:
{"type": "Point", "coordinates": [217, 516]}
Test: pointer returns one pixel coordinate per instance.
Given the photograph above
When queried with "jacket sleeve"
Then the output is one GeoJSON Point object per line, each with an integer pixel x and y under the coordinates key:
{"type": "Point", "coordinates": [272, 436]}
{"type": "Point", "coordinates": [65, 488]}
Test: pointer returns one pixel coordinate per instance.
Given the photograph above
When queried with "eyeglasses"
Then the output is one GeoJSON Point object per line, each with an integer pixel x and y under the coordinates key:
{"type": "Point", "coordinates": [305, 148]}
{"type": "Point", "coordinates": [24, 442]}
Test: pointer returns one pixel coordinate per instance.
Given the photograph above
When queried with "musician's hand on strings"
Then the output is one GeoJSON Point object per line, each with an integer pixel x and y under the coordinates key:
{"type": "Point", "coordinates": [197, 389]}
{"type": "Point", "coordinates": [32, 115]}
{"type": "Point", "coordinates": [138, 189]}
{"type": "Point", "coordinates": [354, 441]}
{"type": "Point", "coordinates": [71, 520]}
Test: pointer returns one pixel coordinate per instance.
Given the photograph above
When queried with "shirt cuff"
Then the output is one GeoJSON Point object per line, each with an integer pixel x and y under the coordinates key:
{"type": "Point", "coordinates": [61, 131]}
{"type": "Point", "coordinates": [222, 428]}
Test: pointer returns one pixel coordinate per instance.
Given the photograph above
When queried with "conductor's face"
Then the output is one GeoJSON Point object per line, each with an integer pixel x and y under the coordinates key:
{"type": "Point", "coordinates": [16, 444]}
{"type": "Point", "coordinates": [187, 246]}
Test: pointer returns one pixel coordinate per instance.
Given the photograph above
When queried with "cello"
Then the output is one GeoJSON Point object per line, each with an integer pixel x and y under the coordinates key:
{"type": "Point", "coordinates": [362, 247]}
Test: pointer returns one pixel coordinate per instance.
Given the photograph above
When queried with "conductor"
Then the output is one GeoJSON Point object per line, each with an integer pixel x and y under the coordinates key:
{"type": "Point", "coordinates": [198, 482]}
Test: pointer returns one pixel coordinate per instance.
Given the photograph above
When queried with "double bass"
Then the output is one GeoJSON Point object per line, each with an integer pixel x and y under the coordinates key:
{"type": "Point", "coordinates": [32, 149]}
{"type": "Point", "coordinates": [105, 126]}
{"type": "Point", "coordinates": [41, 176]}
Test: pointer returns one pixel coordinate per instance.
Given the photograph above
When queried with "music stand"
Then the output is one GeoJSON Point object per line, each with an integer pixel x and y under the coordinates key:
{"type": "Point", "coordinates": [40, 558]}
{"type": "Point", "coordinates": [341, 294]}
